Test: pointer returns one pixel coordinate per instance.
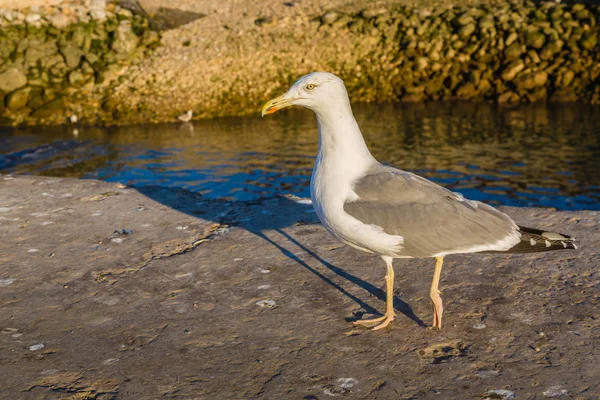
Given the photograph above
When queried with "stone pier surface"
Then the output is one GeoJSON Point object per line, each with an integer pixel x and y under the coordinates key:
{"type": "Point", "coordinates": [111, 292]}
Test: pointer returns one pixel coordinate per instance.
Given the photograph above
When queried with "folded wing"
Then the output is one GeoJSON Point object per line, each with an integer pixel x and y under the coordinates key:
{"type": "Point", "coordinates": [432, 220]}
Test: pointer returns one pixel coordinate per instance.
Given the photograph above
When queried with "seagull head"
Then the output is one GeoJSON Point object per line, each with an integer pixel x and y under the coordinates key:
{"type": "Point", "coordinates": [316, 91]}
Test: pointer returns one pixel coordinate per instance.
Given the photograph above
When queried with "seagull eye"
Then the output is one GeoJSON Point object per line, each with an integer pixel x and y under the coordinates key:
{"type": "Point", "coordinates": [310, 86]}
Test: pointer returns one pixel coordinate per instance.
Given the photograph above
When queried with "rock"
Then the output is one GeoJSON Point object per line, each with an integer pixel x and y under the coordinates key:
{"type": "Point", "coordinates": [551, 48]}
{"type": "Point", "coordinates": [72, 55]}
{"type": "Point", "coordinates": [535, 39]}
{"type": "Point", "coordinates": [487, 22]}
{"type": "Point", "coordinates": [109, 74]}
{"type": "Point", "coordinates": [125, 40]}
{"type": "Point", "coordinates": [18, 99]}
{"type": "Point", "coordinates": [421, 63]}
{"type": "Point", "coordinates": [463, 20]}
{"type": "Point", "coordinates": [512, 69]}
{"type": "Point", "coordinates": [412, 98]}
{"type": "Point", "coordinates": [75, 77]}
{"type": "Point", "coordinates": [374, 12]}
{"type": "Point", "coordinates": [11, 79]}
{"type": "Point", "coordinates": [466, 91]}
{"type": "Point", "coordinates": [484, 86]}
{"type": "Point", "coordinates": [511, 38]}
{"type": "Point", "coordinates": [415, 89]}
{"type": "Point", "coordinates": [532, 80]}
{"type": "Point", "coordinates": [589, 40]}
{"type": "Point", "coordinates": [563, 96]}
{"type": "Point", "coordinates": [565, 79]}
{"type": "Point", "coordinates": [466, 31]}
{"type": "Point", "coordinates": [33, 18]}
{"type": "Point", "coordinates": [533, 56]}
{"type": "Point", "coordinates": [538, 94]}
{"type": "Point", "coordinates": [508, 97]}
{"type": "Point", "coordinates": [48, 109]}
{"type": "Point", "coordinates": [577, 7]}
{"type": "Point", "coordinates": [513, 51]}
{"type": "Point", "coordinates": [33, 54]}
{"type": "Point", "coordinates": [330, 17]}
{"type": "Point", "coordinates": [35, 98]}
{"type": "Point", "coordinates": [58, 20]}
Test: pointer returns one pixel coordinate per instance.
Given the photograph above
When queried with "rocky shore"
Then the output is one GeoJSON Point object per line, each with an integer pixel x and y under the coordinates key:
{"type": "Point", "coordinates": [106, 65]}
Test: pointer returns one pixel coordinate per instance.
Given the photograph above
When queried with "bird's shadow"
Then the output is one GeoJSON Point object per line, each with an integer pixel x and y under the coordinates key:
{"type": "Point", "coordinates": [272, 214]}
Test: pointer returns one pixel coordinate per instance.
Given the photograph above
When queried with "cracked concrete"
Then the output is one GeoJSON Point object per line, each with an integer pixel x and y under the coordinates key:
{"type": "Point", "coordinates": [154, 293]}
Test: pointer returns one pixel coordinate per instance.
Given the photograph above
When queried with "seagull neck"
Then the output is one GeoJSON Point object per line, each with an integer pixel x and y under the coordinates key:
{"type": "Point", "coordinates": [340, 138]}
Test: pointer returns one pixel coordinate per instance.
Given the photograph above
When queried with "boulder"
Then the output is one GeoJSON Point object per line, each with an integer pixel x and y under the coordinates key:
{"type": "Point", "coordinates": [512, 69]}
{"type": "Point", "coordinates": [18, 99]}
{"type": "Point", "coordinates": [12, 78]}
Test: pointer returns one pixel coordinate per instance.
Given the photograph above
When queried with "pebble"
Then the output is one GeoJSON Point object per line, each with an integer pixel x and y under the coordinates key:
{"type": "Point", "coordinates": [347, 383]}
{"type": "Point", "coordinates": [505, 394]}
{"type": "Point", "coordinates": [266, 303]}
{"type": "Point", "coordinates": [264, 287]}
{"type": "Point", "coordinates": [265, 271]}
{"type": "Point", "coordinates": [555, 391]}
{"type": "Point", "coordinates": [7, 281]}
{"type": "Point", "coordinates": [36, 347]}
{"type": "Point", "coordinates": [479, 326]}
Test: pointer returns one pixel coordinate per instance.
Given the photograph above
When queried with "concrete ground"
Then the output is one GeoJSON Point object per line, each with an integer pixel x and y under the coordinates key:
{"type": "Point", "coordinates": [109, 292]}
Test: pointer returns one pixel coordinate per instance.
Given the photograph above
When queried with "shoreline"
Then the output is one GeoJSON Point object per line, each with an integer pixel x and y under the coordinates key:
{"type": "Point", "coordinates": [224, 63]}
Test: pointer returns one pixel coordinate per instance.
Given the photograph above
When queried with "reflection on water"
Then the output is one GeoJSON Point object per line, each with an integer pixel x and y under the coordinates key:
{"type": "Point", "coordinates": [541, 155]}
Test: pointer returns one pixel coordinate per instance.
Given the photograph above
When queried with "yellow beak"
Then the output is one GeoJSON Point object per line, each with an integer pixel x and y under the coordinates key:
{"type": "Point", "coordinates": [276, 104]}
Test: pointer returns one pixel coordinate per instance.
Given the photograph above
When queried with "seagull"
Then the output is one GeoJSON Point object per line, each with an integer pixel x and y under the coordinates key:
{"type": "Point", "coordinates": [186, 116]}
{"type": "Point", "coordinates": [390, 212]}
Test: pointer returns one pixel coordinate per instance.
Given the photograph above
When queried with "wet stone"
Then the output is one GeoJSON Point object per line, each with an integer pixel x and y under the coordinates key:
{"type": "Point", "coordinates": [18, 99]}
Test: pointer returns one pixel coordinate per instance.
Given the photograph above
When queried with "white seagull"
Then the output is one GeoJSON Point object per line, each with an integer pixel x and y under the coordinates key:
{"type": "Point", "coordinates": [391, 212]}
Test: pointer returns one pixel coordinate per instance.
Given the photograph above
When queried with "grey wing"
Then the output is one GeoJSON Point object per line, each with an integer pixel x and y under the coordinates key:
{"type": "Point", "coordinates": [431, 219]}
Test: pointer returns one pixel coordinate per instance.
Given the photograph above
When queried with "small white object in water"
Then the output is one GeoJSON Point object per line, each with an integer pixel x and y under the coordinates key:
{"type": "Point", "coordinates": [347, 383]}
{"type": "Point", "coordinates": [73, 118]}
{"type": "Point", "coordinates": [187, 116]}
{"type": "Point", "coordinates": [47, 223]}
{"type": "Point", "coordinates": [117, 240]}
{"type": "Point", "coordinates": [264, 287]}
{"type": "Point", "coordinates": [110, 361]}
{"type": "Point", "coordinates": [181, 228]}
{"type": "Point", "coordinates": [75, 132]}
{"type": "Point", "coordinates": [266, 303]}
{"type": "Point", "coordinates": [32, 250]}
{"type": "Point", "coordinates": [6, 282]}
{"type": "Point", "coordinates": [265, 271]}
{"type": "Point", "coordinates": [501, 392]}
{"type": "Point", "coordinates": [555, 391]}
{"type": "Point", "coordinates": [480, 325]}
{"type": "Point", "coordinates": [96, 214]}
{"type": "Point", "coordinates": [35, 347]}
{"type": "Point", "coordinates": [238, 259]}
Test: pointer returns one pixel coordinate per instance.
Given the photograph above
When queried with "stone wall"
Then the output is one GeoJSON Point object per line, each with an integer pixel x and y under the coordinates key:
{"type": "Point", "coordinates": [506, 53]}
{"type": "Point", "coordinates": [54, 56]}
{"type": "Point", "coordinates": [97, 61]}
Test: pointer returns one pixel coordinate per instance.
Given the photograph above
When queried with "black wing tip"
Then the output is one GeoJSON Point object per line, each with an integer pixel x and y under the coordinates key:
{"type": "Point", "coordinates": [535, 240]}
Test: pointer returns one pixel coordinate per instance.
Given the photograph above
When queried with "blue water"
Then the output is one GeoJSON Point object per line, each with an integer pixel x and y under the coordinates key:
{"type": "Point", "coordinates": [529, 155]}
